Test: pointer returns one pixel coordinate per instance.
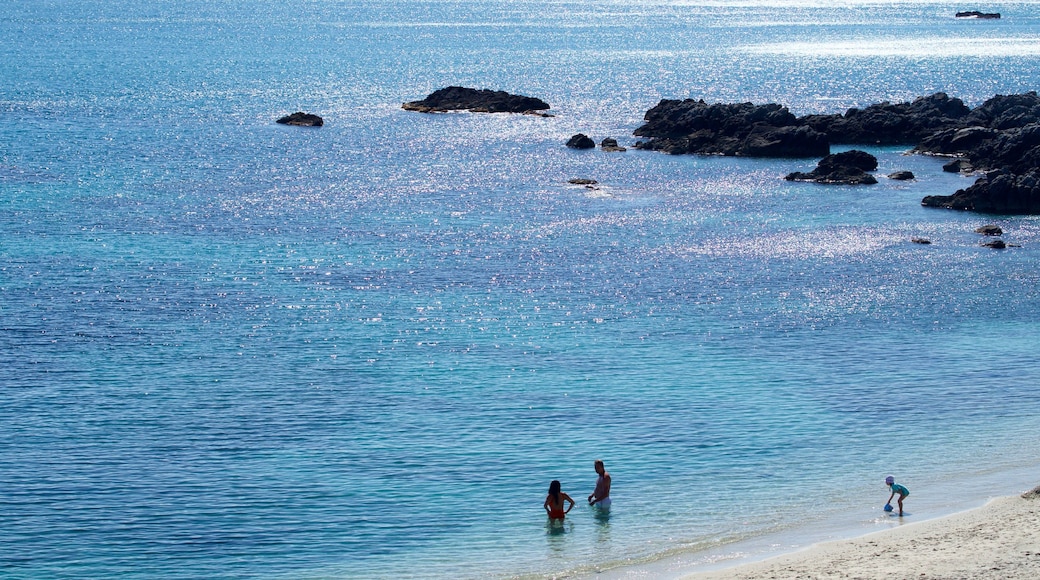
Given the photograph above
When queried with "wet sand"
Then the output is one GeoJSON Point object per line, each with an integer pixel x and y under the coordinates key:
{"type": "Point", "coordinates": [1000, 540]}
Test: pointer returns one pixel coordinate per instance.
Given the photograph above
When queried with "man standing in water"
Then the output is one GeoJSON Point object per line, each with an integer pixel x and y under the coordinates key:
{"type": "Point", "coordinates": [601, 495]}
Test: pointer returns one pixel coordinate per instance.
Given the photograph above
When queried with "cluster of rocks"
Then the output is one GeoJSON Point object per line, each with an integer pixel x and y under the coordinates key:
{"type": "Point", "coordinates": [1000, 138]}
{"type": "Point", "coordinates": [477, 101]}
{"type": "Point", "coordinates": [993, 231]}
{"type": "Point", "coordinates": [989, 231]}
{"type": "Point", "coordinates": [583, 141]}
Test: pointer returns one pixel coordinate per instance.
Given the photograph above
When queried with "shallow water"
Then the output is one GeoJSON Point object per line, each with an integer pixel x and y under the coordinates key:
{"type": "Point", "coordinates": [236, 349]}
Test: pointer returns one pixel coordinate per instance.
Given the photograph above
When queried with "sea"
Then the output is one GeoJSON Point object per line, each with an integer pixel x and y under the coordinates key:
{"type": "Point", "coordinates": [235, 349]}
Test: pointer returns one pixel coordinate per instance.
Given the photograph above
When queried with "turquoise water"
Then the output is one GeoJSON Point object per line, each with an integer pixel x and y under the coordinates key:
{"type": "Point", "coordinates": [233, 349]}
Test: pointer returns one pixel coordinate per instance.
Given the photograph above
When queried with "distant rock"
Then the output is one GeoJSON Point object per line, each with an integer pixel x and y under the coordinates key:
{"type": "Point", "coordinates": [476, 101]}
{"type": "Point", "coordinates": [581, 141]}
{"type": "Point", "coordinates": [922, 241]}
{"type": "Point", "coordinates": [989, 230]}
{"type": "Point", "coordinates": [301, 119]}
{"type": "Point", "coordinates": [979, 15]}
{"type": "Point", "coordinates": [902, 176]}
{"type": "Point", "coordinates": [995, 244]}
{"type": "Point", "coordinates": [582, 181]}
{"type": "Point", "coordinates": [610, 144]}
{"type": "Point", "coordinates": [846, 168]}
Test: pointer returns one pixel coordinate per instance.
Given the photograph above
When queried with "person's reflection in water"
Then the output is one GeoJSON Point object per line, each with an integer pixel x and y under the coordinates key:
{"type": "Point", "coordinates": [556, 534]}
{"type": "Point", "coordinates": [602, 519]}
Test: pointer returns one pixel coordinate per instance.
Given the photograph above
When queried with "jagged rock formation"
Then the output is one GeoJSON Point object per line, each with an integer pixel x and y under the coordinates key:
{"type": "Point", "coordinates": [744, 129]}
{"type": "Point", "coordinates": [846, 168]}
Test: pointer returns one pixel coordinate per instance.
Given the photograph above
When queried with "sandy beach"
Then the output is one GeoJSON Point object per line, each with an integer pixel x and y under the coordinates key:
{"type": "Point", "coordinates": [999, 540]}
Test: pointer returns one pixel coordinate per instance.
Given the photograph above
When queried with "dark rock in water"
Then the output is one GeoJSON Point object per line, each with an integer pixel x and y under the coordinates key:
{"type": "Point", "coordinates": [989, 230]}
{"type": "Point", "coordinates": [301, 119]}
{"type": "Point", "coordinates": [923, 241]}
{"type": "Point", "coordinates": [846, 168]}
{"type": "Point", "coordinates": [745, 129]}
{"type": "Point", "coordinates": [902, 175]}
{"type": "Point", "coordinates": [892, 124]}
{"type": "Point", "coordinates": [999, 192]}
{"type": "Point", "coordinates": [995, 244]}
{"type": "Point", "coordinates": [476, 101]}
{"type": "Point", "coordinates": [979, 15]}
{"type": "Point", "coordinates": [610, 144]}
{"type": "Point", "coordinates": [958, 166]}
{"type": "Point", "coordinates": [582, 181]}
{"type": "Point", "coordinates": [581, 141]}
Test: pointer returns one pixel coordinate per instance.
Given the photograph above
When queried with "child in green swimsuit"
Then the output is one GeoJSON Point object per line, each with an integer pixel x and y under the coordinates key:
{"type": "Point", "coordinates": [896, 488]}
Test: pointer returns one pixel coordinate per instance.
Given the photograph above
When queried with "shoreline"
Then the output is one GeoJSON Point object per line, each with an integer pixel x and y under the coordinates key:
{"type": "Point", "coordinates": [1000, 540]}
{"type": "Point", "coordinates": [951, 521]}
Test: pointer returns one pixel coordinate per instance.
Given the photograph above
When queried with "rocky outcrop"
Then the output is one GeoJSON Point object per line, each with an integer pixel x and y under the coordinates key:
{"type": "Point", "coordinates": [997, 192]}
{"type": "Point", "coordinates": [902, 176]}
{"type": "Point", "coordinates": [476, 101]}
{"type": "Point", "coordinates": [1002, 141]}
{"type": "Point", "coordinates": [892, 124]}
{"type": "Point", "coordinates": [999, 139]}
{"type": "Point", "coordinates": [744, 129]}
{"type": "Point", "coordinates": [581, 141]}
{"type": "Point", "coordinates": [301, 119]}
{"type": "Point", "coordinates": [979, 15]}
{"type": "Point", "coordinates": [846, 168]}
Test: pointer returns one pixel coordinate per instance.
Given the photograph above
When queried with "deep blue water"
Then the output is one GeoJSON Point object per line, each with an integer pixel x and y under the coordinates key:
{"type": "Point", "coordinates": [233, 349]}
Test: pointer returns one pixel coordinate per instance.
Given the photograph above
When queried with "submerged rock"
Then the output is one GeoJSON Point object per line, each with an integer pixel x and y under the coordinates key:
{"type": "Point", "coordinates": [301, 119]}
{"type": "Point", "coordinates": [476, 101]}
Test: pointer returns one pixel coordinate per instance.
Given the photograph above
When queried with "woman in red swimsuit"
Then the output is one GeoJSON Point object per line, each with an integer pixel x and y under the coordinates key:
{"type": "Point", "coordinates": [554, 502]}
